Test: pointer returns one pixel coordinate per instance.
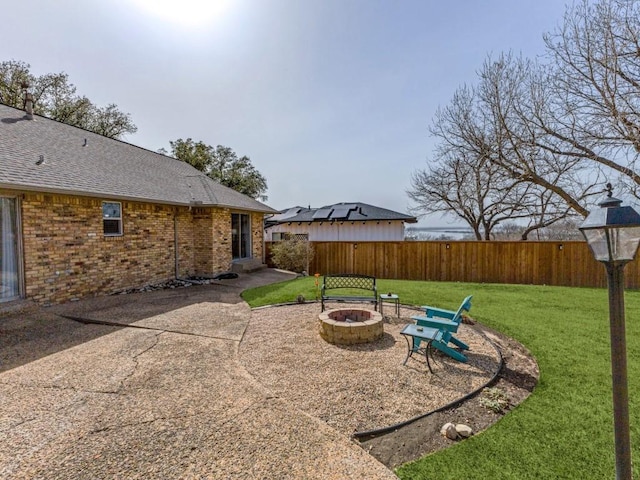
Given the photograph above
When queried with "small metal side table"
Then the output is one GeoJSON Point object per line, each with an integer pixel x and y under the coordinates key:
{"type": "Point", "coordinates": [414, 334]}
{"type": "Point", "coordinates": [391, 298]}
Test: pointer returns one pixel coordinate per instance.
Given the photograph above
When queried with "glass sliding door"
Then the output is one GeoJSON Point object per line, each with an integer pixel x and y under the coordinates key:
{"type": "Point", "coordinates": [9, 266]}
{"type": "Point", "coordinates": [240, 236]}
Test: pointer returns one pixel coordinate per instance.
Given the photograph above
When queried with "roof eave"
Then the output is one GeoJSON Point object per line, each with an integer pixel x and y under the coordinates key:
{"type": "Point", "coordinates": [334, 220]}
{"type": "Point", "coordinates": [247, 209]}
{"type": "Point", "coordinates": [80, 193]}
{"type": "Point", "coordinates": [24, 188]}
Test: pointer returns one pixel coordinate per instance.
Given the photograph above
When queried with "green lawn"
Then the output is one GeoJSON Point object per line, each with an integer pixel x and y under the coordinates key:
{"type": "Point", "coordinates": [565, 429]}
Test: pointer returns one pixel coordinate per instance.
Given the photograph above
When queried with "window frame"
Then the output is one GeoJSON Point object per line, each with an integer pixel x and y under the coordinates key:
{"type": "Point", "coordinates": [120, 232]}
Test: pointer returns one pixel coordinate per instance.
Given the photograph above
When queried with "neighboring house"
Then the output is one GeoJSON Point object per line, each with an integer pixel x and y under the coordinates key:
{"type": "Point", "coordinates": [82, 214]}
{"type": "Point", "coordinates": [342, 222]}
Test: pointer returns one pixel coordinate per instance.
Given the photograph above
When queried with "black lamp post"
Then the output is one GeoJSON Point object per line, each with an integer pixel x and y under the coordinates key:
{"type": "Point", "coordinates": [613, 233]}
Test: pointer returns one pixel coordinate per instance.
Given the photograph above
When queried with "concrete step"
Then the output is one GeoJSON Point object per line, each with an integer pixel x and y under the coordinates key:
{"type": "Point", "coordinates": [246, 265]}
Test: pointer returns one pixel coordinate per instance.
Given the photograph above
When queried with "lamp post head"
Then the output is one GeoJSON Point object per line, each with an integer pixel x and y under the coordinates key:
{"type": "Point", "coordinates": [612, 231]}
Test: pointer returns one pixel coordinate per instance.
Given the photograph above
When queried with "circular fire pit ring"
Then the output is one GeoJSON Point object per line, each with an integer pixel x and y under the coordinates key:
{"type": "Point", "coordinates": [349, 326]}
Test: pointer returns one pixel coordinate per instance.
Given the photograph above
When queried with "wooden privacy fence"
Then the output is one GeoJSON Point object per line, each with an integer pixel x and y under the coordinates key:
{"type": "Point", "coordinates": [538, 263]}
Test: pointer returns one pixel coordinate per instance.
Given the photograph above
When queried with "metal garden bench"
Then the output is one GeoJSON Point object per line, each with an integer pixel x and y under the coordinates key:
{"type": "Point", "coordinates": [347, 287]}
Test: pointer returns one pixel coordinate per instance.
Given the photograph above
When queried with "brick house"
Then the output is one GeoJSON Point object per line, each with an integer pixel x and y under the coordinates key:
{"type": "Point", "coordinates": [82, 214]}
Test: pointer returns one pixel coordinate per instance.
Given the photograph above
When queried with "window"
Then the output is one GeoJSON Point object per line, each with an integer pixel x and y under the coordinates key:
{"type": "Point", "coordinates": [112, 218]}
{"type": "Point", "coordinates": [10, 274]}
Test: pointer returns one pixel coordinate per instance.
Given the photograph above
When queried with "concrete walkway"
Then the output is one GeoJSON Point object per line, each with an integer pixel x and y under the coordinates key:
{"type": "Point", "coordinates": [156, 392]}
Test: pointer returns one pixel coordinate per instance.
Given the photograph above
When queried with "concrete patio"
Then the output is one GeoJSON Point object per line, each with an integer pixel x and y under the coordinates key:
{"type": "Point", "coordinates": [157, 391]}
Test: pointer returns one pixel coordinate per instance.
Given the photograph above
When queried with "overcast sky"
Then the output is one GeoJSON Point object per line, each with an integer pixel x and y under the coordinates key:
{"type": "Point", "coordinates": [331, 99]}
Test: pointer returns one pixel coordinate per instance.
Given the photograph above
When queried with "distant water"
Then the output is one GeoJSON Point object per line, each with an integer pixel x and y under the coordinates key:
{"type": "Point", "coordinates": [434, 233]}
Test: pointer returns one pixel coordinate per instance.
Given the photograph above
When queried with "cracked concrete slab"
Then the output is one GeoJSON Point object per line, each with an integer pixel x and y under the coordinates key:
{"type": "Point", "coordinates": [209, 319]}
{"type": "Point", "coordinates": [297, 446]}
{"type": "Point", "coordinates": [98, 365]}
{"type": "Point", "coordinates": [183, 376]}
{"type": "Point", "coordinates": [36, 333]}
{"type": "Point", "coordinates": [48, 419]}
{"type": "Point", "coordinates": [167, 399]}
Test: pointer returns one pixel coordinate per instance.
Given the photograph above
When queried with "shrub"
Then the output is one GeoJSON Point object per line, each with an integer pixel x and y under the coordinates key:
{"type": "Point", "coordinates": [293, 254]}
{"type": "Point", "coordinates": [495, 400]}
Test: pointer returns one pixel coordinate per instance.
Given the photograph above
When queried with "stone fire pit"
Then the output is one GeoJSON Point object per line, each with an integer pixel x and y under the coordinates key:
{"type": "Point", "coordinates": [349, 326]}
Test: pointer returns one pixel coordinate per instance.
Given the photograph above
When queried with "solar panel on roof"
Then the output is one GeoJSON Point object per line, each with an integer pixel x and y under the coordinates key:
{"type": "Point", "coordinates": [322, 213]}
{"type": "Point", "coordinates": [292, 212]}
{"type": "Point", "coordinates": [342, 211]}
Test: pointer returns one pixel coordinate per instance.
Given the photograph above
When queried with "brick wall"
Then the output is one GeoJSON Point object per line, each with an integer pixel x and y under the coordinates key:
{"type": "Point", "coordinates": [202, 241]}
{"type": "Point", "coordinates": [257, 235]}
{"type": "Point", "coordinates": [221, 234]}
{"type": "Point", "coordinates": [66, 255]}
{"type": "Point", "coordinates": [185, 226]}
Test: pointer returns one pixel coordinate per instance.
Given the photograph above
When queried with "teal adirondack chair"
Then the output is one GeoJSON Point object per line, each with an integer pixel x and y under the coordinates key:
{"type": "Point", "coordinates": [440, 342]}
{"type": "Point", "coordinates": [447, 321]}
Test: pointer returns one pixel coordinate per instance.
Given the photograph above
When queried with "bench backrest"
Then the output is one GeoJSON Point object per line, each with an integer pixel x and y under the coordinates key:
{"type": "Point", "coordinates": [349, 280]}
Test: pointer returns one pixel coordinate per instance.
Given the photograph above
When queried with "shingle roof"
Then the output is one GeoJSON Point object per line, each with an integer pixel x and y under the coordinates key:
{"type": "Point", "coordinates": [354, 211]}
{"type": "Point", "coordinates": [80, 162]}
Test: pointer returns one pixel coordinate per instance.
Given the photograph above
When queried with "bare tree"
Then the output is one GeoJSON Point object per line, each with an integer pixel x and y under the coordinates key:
{"type": "Point", "coordinates": [473, 189]}
{"type": "Point", "coordinates": [566, 229]}
{"type": "Point", "coordinates": [487, 168]}
{"type": "Point", "coordinates": [509, 90]}
{"type": "Point", "coordinates": [594, 73]}
{"type": "Point", "coordinates": [562, 126]}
